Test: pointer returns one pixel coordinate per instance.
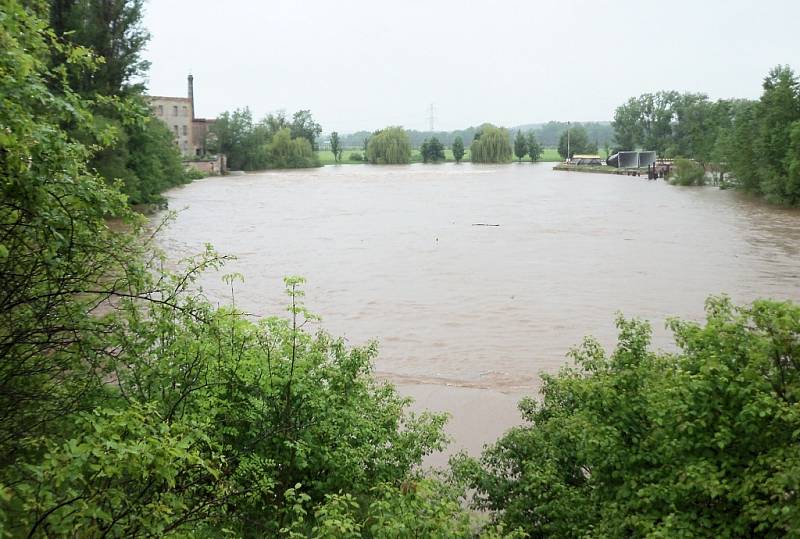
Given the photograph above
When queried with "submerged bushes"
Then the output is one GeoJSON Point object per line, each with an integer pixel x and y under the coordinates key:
{"type": "Point", "coordinates": [688, 172]}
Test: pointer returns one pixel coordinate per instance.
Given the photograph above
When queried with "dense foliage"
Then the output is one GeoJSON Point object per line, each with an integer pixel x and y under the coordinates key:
{"type": "Point", "coordinates": [262, 145]}
{"type": "Point", "coordinates": [491, 145]}
{"type": "Point", "coordinates": [432, 151]}
{"type": "Point", "coordinates": [143, 154]}
{"type": "Point", "coordinates": [700, 443]}
{"type": "Point", "coordinates": [389, 146]}
{"type": "Point", "coordinates": [762, 149]}
{"type": "Point", "coordinates": [753, 141]}
{"type": "Point", "coordinates": [673, 124]}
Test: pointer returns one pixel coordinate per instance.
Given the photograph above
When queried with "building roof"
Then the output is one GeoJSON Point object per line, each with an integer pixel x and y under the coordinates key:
{"type": "Point", "coordinates": [170, 98]}
{"type": "Point", "coordinates": [576, 156]}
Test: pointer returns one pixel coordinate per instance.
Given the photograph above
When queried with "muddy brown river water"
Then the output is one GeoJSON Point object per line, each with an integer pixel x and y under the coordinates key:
{"type": "Point", "coordinates": [468, 315]}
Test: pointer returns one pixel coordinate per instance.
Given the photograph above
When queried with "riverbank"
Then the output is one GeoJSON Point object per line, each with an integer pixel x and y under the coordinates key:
{"type": "Point", "coordinates": [601, 169]}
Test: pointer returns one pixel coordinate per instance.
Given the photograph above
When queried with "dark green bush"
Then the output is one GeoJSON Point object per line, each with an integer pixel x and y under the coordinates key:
{"type": "Point", "coordinates": [687, 172]}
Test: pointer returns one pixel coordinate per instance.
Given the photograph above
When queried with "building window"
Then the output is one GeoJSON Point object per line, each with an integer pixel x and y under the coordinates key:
{"type": "Point", "coordinates": [175, 127]}
{"type": "Point", "coordinates": [184, 130]}
{"type": "Point", "coordinates": [185, 111]}
{"type": "Point", "coordinates": [161, 110]}
{"type": "Point", "coordinates": [174, 110]}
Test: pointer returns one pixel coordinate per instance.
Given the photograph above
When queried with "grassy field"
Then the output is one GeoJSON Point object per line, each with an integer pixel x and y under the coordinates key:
{"type": "Point", "coordinates": [326, 156]}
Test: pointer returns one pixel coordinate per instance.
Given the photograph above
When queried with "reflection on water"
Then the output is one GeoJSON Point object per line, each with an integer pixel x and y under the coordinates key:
{"type": "Point", "coordinates": [393, 253]}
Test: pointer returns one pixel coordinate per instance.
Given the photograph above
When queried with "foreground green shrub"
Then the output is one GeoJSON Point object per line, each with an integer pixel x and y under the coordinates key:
{"type": "Point", "coordinates": [195, 174]}
{"type": "Point", "coordinates": [210, 423]}
{"type": "Point", "coordinates": [129, 406]}
{"type": "Point", "coordinates": [701, 443]}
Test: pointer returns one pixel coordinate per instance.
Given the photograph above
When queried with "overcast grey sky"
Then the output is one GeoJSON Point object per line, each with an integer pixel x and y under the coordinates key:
{"type": "Point", "coordinates": [367, 64]}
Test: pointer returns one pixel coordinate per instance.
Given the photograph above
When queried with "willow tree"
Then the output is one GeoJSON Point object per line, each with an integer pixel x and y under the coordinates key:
{"type": "Point", "coordinates": [389, 146]}
{"type": "Point", "coordinates": [492, 145]}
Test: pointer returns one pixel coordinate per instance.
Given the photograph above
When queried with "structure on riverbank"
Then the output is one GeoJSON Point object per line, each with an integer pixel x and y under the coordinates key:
{"type": "Point", "coordinates": [632, 159]}
{"type": "Point", "coordinates": [191, 133]}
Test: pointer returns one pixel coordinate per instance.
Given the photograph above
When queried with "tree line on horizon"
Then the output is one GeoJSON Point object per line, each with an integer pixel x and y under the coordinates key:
{"type": "Point", "coordinates": [547, 134]}
{"type": "Point", "coordinates": [490, 144]}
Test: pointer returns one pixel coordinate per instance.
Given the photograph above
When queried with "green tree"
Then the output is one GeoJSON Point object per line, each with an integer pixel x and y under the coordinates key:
{"type": "Point", "coordinates": [628, 131]}
{"type": "Point", "coordinates": [793, 162]}
{"type": "Point", "coordinates": [578, 142]}
{"type": "Point", "coordinates": [777, 110]}
{"type": "Point", "coordinates": [283, 151]}
{"type": "Point", "coordinates": [700, 443]}
{"type": "Point", "coordinates": [231, 130]}
{"type": "Point", "coordinates": [336, 147]}
{"type": "Point", "coordinates": [756, 143]}
{"type": "Point", "coordinates": [303, 125]}
{"type": "Point", "coordinates": [534, 148]}
{"type": "Point", "coordinates": [491, 145]}
{"type": "Point", "coordinates": [520, 145]}
{"type": "Point", "coordinates": [432, 151]}
{"type": "Point", "coordinates": [113, 30]}
{"type": "Point", "coordinates": [458, 149]}
{"type": "Point", "coordinates": [251, 145]}
{"type": "Point", "coordinates": [646, 121]}
{"type": "Point", "coordinates": [389, 146]}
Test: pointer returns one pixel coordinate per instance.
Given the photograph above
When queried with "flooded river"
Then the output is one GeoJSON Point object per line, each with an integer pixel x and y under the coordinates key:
{"type": "Point", "coordinates": [467, 314]}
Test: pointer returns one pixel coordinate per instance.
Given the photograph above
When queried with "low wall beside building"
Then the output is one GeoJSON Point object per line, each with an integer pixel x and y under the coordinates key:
{"type": "Point", "coordinates": [211, 166]}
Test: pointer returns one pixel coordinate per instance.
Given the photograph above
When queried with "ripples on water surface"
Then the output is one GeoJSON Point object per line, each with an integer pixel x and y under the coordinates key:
{"type": "Point", "coordinates": [393, 253]}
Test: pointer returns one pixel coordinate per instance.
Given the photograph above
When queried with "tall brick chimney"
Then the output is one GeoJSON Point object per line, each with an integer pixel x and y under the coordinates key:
{"type": "Point", "coordinates": [191, 93]}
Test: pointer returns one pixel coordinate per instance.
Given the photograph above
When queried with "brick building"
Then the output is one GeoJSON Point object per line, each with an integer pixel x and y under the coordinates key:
{"type": "Point", "coordinates": [191, 134]}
